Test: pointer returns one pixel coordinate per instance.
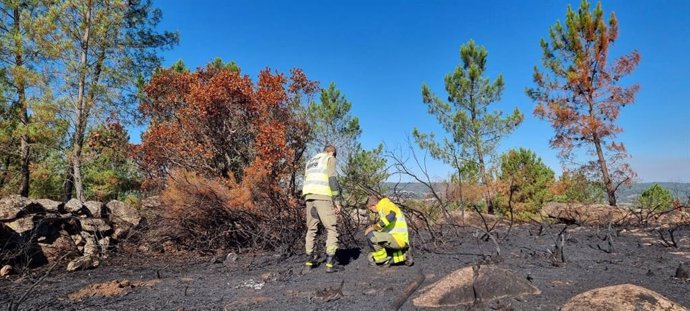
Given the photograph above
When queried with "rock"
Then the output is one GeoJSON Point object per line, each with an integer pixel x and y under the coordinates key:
{"type": "Point", "coordinates": [120, 233]}
{"type": "Point", "coordinates": [62, 245]}
{"type": "Point", "coordinates": [495, 283]}
{"type": "Point", "coordinates": [465, 286]}
{"type": "Point", "coordinates": [90, 246]}
{"type": "Point", "coordinates": [95, 208]}
{"type": "Point", "coordinates": [121, 212]}
{"type": "Point", "coordinates": [22, 225]}
{"type": "Point", "coordinates": [11, 206]}
{"type": "Point", "coordinates": [49, 205]}
{"type": "Point", "coordinates": [472, 218]}
{"type": "Point", "coordinates": [82, 263]}
{"type": "Point", "coordinates": [620, 298]}
{"type": "Point", "coordinates": [94, 225]}
{"type": "Point", "coordinates": [104, 244]}
{"type": "Point", "coordinates": [231, 257]}
{"type": "Point", "coordinates": [78, 239]}
{"type": "Point", "coordinates": [593, 214]}
{"type": "Point", "coordinates": [74, 206]}
{"type": "Point", "coordinates": [6, 270]}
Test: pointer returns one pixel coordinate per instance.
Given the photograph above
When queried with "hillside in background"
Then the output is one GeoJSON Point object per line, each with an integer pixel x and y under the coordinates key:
{"type": "Point", "coordinates": [625, 194]}
{"type": "Point", "coordinates": [628, 194]}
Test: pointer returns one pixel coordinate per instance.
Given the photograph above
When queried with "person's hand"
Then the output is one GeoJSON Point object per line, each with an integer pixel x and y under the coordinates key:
{"type": "Point", "coordinates": [368, 230]}
{"type": "Point", "coordinates": [338, 208]}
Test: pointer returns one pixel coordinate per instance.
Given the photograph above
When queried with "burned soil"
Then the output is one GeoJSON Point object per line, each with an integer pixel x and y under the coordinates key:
{"type": "Point", "coordinates": [267, 282]}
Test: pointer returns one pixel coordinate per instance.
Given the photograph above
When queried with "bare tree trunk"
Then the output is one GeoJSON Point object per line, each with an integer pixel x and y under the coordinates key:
{"type": "Point", "coordinates": [68, 186]}
{"type": "Point", "coordinates": [24, 147]}
{"type": "Point", "coordinates": [485, 181]}
{"type": "Point", "coordinates": [610, 190]}
{"type": "Point", "coordinates": [458, 165]}
{"type": "Point", "coordinates": [78, 139]}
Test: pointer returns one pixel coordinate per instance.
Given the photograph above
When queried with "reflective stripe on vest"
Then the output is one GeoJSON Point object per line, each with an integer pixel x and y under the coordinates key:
{"type": "Point", "coordinates": [316, 176]}
{"type": "Point", "coordinates": [397, 228]}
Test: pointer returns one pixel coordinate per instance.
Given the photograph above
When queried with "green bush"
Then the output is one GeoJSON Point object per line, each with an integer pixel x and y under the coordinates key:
{"type": "Point", "coordinates": [527, 178]}
{"type": "Point", "coordinates": [655, 198]}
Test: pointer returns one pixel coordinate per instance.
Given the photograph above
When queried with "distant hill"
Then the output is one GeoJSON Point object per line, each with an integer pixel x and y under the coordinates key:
{"type": "Point", "coordinates": [625, 194]}
{"type": "Point", "coordinates": [628, 194]}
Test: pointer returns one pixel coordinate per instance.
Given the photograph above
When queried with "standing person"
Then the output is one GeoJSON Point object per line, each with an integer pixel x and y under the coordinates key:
{"type": "Point", "coordinates": [322, 194]}
{"type": "Point", "coordinates": [388, 234]}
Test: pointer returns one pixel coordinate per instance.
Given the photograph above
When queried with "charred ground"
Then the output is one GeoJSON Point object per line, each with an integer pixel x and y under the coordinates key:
{"type": "Point", "coordinates": [266, 282]}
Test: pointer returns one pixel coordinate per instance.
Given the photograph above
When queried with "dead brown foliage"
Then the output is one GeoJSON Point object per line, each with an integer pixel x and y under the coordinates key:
{"type": "Point", "coordinates": [205, 214]}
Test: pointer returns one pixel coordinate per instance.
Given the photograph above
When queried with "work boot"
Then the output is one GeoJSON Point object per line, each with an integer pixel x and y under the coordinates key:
{"type": "Point", "coordinates": [310, 264]}
{"type": "Point", "coordinates": [385, 263]}
{"type": "Point", "coordinates": [331, 265]}
{"type": "Point", "coordinates": [408, 258]}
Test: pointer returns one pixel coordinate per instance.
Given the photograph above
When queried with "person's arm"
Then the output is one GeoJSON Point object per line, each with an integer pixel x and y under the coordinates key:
{"type": "Point", "coordinates": [334, 184]}
{"type": "Point", "coordinates": [384, 221]}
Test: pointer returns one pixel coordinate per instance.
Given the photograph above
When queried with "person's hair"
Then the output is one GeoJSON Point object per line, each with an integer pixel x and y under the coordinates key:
{"type": "Point", "coordinates": [373, 199]}
{"type": "Point", "coordinates": [330, 148]}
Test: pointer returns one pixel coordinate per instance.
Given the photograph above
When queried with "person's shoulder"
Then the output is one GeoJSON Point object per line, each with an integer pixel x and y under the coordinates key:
{"type": "Point", "coordinates": [387, 203]}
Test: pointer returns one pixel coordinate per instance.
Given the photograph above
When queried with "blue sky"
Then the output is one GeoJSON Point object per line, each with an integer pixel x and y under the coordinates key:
{"type": "Point", "coordinates": [380, 52]}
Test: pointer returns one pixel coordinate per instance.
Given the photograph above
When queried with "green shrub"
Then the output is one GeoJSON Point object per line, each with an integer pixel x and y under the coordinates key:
{"type": "Point", "coordinates": [655, 198]}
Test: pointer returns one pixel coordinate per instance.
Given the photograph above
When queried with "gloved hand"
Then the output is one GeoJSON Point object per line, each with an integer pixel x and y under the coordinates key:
{"type": "Point", "coordinates": [368, 230]}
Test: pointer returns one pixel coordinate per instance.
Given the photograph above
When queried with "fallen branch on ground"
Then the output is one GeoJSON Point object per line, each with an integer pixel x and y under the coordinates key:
{"type": "Point", "coordinates": [409, 289]}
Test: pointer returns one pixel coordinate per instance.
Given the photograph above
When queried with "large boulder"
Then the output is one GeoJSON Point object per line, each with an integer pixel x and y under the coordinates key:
{"type": "Point", "coordinates": [12, 206]}
{"type": "Point", "coordinates": [621, 298]}
{"type": "Point", "coordinates": [49, 205]}
{"type": "Point", "coordinates": [22, 225]}
{"type": "Point", "coordinates": [83, 263]}
{"type": "Point", "coordinates": [94, 225]}
{"type": "Point", "coordinates": [95, 208]}
{"type": "Point", "coordinates": [123, 213]}
{"type": "Point", "coordinates": [471, 218]}
{"type": "Point", "coordinates": [470, 285]}
{"type": "Point", "coordinates": [59, 247]}
{"type": "Point", "coordinates": [592, 214]}
{"type": "Point", "coordinates": [74, 206]}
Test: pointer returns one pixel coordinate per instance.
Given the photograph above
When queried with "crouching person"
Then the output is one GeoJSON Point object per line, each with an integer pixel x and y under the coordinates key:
{"type": "Point", "coordinates": [388, 237]}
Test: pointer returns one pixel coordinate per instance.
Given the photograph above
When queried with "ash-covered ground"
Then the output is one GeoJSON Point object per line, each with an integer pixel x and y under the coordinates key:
{"type": "Point", "coordinates": [636, 256]}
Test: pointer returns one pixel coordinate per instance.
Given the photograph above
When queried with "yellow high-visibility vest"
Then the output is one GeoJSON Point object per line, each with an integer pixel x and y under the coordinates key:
{"type": "Point", "coordinates": [316, 176]}
{"type": "Point", "coordinates": [397, 228]}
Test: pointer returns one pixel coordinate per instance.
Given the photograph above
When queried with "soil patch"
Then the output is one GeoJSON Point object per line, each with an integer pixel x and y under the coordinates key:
{"type": "Point", "coordinates": [113, 288]}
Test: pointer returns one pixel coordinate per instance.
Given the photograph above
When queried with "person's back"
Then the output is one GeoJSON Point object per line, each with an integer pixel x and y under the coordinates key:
{"type": "Point", "coordinates": [320, 189]}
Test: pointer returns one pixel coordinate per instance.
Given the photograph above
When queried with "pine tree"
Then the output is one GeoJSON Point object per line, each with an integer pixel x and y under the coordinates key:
{"type": "Point", "coordinates": [473, 130]}
{"type": "Point", "coordinates": [578, 92]}
{"type": "Point", "coordinates": [27, 30]}
{"type": "Point", "coordinates": [111, 45]}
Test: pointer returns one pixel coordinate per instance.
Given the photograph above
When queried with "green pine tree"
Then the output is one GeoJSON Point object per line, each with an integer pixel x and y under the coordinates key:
{"type": "Point", "coordinates": [473, 131]}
